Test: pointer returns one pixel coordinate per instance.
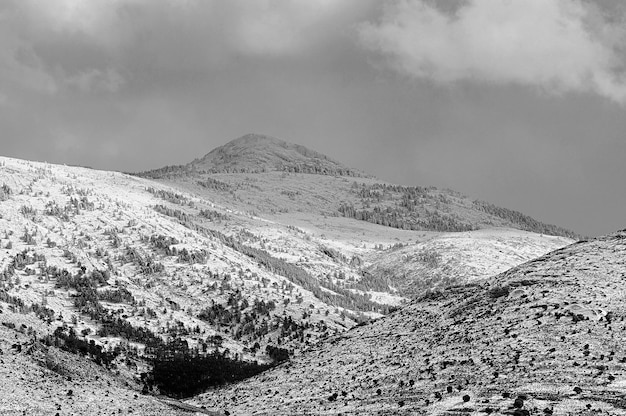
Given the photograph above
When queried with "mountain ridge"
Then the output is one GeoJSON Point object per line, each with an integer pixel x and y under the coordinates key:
{"type": "Point", "coordinates": [236, 165]}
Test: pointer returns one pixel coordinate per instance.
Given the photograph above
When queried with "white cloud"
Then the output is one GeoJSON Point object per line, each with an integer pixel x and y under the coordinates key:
{"type": "Point", "coordinates": [558, 45]}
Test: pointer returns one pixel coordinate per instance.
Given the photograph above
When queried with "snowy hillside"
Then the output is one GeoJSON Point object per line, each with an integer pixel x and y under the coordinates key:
{"type": "Point", "coordinates": [546, 337]}
{"type": "Point", "coordinates": [122, 269]}
{"type": "Point", "coordinates": [454, 258]}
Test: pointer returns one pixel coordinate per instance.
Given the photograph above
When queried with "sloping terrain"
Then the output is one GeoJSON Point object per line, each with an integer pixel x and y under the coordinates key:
{"type": "Point", "coordinates": [43, 380]}
{"type": "Point", "coordinates": [546, 337]}
{"type": "Point", "coordinates": [246, 267]}
{"type": "Point", "coordinates": [270, 176]}
{"type": "Point", "coordinates": [101, 249]}
{"type": "Point", "coordinates": [179, 265]}
{"type": "Point", "coordinates": [455, 258]}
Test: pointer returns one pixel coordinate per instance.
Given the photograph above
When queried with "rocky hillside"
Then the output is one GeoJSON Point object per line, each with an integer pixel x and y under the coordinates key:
{"type": "Point", "coordinates": [546, 337]}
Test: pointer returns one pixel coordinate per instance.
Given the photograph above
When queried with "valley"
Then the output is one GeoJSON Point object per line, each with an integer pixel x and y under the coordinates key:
{"type": "Point", "coordinates": [545, 337]}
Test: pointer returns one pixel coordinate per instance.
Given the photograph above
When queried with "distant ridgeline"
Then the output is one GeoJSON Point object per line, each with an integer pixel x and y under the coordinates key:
{"type": "Point", "coordinates": [182, 170]}
{"type": "Point", "coordinates": [431, 209]}
{"type": "Point", "coordinates": [524, 222]}
{"type": "Point", "coordinates": [402, 207]}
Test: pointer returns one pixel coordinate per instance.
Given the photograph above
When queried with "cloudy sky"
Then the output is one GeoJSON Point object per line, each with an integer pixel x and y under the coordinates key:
{"type": "Point", "coordinates": [518, 102]}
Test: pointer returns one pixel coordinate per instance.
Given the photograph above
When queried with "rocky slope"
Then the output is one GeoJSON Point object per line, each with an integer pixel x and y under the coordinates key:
{"type": "Point", "coordinates": [546, 337]}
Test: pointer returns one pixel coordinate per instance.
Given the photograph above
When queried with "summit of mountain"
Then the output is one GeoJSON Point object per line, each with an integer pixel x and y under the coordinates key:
{"type": "Point", "coordinates": [275, 178]}
{"type": "Point", "coordinates": [545, 337]}
{"type": "Point", "coordinates": [254, 153]}
{"type": "Point", "coordinates": [258, 153]}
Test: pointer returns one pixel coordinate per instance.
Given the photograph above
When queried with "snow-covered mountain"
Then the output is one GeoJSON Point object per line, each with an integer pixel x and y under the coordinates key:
{"type": "Point", "coordinates": [218, 256]}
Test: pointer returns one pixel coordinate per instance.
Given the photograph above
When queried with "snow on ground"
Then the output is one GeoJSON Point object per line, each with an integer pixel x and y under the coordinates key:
{"type": "Point", "coordinates": [461, 257]}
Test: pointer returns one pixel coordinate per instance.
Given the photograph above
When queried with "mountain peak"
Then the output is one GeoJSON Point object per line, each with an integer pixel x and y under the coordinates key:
{"type": "Point", "coordinates": [254, 153]}
{"type": "Point", "coordinates": [257, 139]}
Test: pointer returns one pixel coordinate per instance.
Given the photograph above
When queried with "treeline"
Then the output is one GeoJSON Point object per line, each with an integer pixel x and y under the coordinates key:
{"type": "Point", "coordinates": [113, 326]}
{"type": "Point", "coordinates": [371, 281]}
{"type": "Point", "coordinates": [420, 208]}
{"type": "Point", "coordinates": [169, 196]}
{"type": "Point", "coordinates": [119, 295]}
{"type": "Point", "coordinates": [86, 299]}
{"type": "Point", "coordinates": [174, 213]}
{"type": "Point", "coordinates": [343, 297]}
{"type": "Point", "coordinates": [66, 339]}
{"type": "Point", "coordinates": [212, 215]}
{"type": "Point", "coordinates": [255, 323]}
{"type": "Point", "coordinates": [318, 169]}
{"type": "Point", "coordinates": [166, 245]}
{"type": "Point", "coordinates": [145, 263]}
{"type": "Point", "coordinates": [214, 184]}
{"type": "Point", "coordinates": [399, 217]}
{"type": "Point", "coordinates": [300, 277]}
{"type": "Point", "coordinates": [310, 168]}
{"type": "Point", "coordinates": [525, 222]}
{"type": "Point", "coordinates": [179, 371]}
{"type": "Point", "coordinates": [21, 260]}
{"type": "Point", "coordinates": [18, 305]}
{"type": "Point", "coordinates": [163, 243]}
{"type": "Point", "coordinates": [164, 172]}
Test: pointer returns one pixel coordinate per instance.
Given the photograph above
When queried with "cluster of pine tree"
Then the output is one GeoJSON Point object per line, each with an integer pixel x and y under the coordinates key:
{"type": "Point", "coordinates": [145, 263]}
{"type": "Point", "coordinates": [524, 222]}
{"type": "Point", "coordinates": [403, 218]}
{"type": "Point", "coordinates": [66, 339]}
{"type": "Point", "coordinates": [344, 298]}
{"type": "Point", "coordinates": [179, 371]}
{"type": "Point", "coordinates": [214, 184]}
{"type": "Point", "coordinates": [169, 196]}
